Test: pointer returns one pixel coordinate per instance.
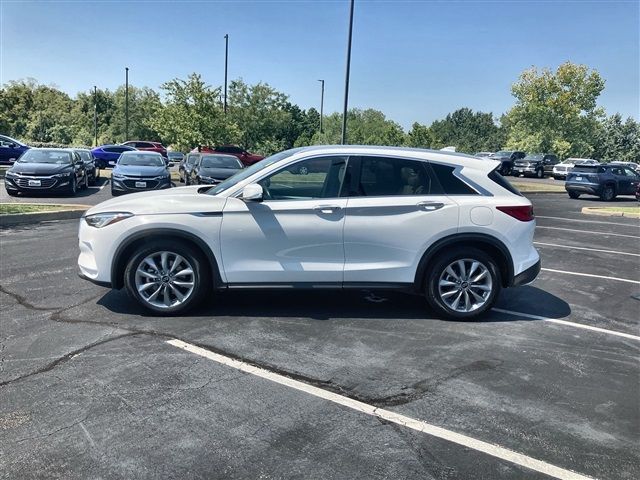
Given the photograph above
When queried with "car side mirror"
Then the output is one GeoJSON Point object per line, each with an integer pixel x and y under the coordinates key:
{"type": "Point", "coordinates": [252, 193]}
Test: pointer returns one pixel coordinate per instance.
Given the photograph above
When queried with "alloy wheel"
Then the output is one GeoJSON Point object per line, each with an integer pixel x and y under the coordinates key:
{"type": "Point", "coordinates": [164, 279]}
{"type": "Point", "coordinates": [465, 285]}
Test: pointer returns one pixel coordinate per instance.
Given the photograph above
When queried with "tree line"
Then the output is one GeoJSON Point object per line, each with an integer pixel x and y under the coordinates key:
{"type": "Point", "coordinates": [554, 111]}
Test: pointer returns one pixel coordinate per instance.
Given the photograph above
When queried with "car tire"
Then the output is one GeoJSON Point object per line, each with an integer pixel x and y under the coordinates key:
{"type": "Point", "coordinates": [73, 186]}
{"type": "Point", "coordinates": [115, 193]}
{"type": "Point", "coordinates": [11, 193]}
{"type": "Point", "coordinates": [573, 194]}
{"type": "Point", "coordinates": [303, 170]}
{"type": "Point", "coordinates": [539, 173]}
{"type": "Point", "coordinates": [138, 273]}
{"type": "Point", "coordinates": [608, 193]}
{"type": "Point", "coordinates": [439, 284]}
{"type": "Point", "coordinates": [85, 182]}
{"type": "Point", "coordinates": [94, 179]}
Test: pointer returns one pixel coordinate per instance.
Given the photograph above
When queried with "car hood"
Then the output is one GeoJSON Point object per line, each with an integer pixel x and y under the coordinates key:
{"type": "Point", "coordinates": [138, 171]}
{"type": "Point", "coordinates": [169, 201]}
{"type": "Point", "coordinates": [219, 173]}
{"type": "Point", "coordinates": [40, 168]}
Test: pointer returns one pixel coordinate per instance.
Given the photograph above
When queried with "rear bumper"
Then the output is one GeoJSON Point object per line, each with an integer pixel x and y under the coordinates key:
{"type": "Point", "coordinates": [528, 275]}
{"type": "Point", "coordinates": [592, 188]}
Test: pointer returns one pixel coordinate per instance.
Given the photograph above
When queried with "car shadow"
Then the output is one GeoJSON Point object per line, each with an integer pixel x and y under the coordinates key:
{"type": "Point", "coordinates": [348, 304]}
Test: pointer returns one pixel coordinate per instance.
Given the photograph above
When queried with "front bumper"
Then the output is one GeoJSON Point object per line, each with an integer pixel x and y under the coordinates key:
{"type": "Point", "coordinates": [528, 275]}
{"type": "Point", "coordinates": [48, 184]}
{"type": "Point", "coordinates": [524, 170]}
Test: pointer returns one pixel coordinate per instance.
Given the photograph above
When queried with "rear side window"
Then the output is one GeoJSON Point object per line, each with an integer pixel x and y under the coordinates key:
{"type": "Point", "coordinates": [380, 176]}
{"type": "Point", "coordinates": [503, 182]}
{"type": "Point", "coordinates": [451, 185]}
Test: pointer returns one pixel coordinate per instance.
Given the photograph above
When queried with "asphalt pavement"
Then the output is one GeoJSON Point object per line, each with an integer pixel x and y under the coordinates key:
{"type": "Point", "coordinates": [91, 388]}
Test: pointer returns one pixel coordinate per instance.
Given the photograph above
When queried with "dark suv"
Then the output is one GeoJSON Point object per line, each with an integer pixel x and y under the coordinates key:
{"type": "Point", "coordinates": [535, 164]}
{"type": "Point", "coordinates": [604, 181]}
{"type": "Point", "coordinates": [507, 158]}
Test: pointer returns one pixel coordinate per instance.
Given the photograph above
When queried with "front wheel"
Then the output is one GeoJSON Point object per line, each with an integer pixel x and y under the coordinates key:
{"type": "Point", "coordinates": [540, 173]}
{"type": "Point", "coordinates": [167, 277]}
{"type": "Point", "coordinates": [463, 284]}
{"type": "Point", "coordinates": [85, 181]}
{"type": "Point", "coordinates": [73, 186]}
{"type": "Point", "coordinates": [573, 194]}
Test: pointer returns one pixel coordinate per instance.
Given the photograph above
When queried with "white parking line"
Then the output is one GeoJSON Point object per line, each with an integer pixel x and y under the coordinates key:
{"type": "Point", "coordinates": [399, 419]}
{"type": "Point", "coordinates": [570, 324]}
{"type": "Point", "coordinates": [590, 221]}
{"type": "Point", "coordinates": [626, 280]}
{"type": "Point", "coordinates": [586, 248]}
{"type": "Point", "coordinates": [588, 231]}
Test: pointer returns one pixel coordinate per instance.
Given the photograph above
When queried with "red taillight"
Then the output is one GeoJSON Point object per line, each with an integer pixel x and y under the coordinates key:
{"type": "Point", "coordinates": [523, 213]}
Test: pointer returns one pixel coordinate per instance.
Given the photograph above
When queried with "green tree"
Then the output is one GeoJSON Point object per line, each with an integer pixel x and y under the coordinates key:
{"type": "Point", "coordinates": [556, 111]}
{"type": "Point", "coordinates": [467, 131]}
{"type": "Point", "coordinates": [618, 140]}
{"type": "Point", "coordinates": [364, 127]}
{"type": "Point", "coordinates": [419, 136]}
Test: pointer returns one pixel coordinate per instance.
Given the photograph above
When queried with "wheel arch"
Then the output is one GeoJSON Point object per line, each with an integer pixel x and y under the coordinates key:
{"type": "Point", "coordinates": [487, 243]}
{"type": "Point", "coordinates": [128, 246]}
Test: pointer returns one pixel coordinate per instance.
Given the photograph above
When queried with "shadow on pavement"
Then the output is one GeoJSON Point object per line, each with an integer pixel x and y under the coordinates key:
{"type": "Point", "coordinates": [326, 304]}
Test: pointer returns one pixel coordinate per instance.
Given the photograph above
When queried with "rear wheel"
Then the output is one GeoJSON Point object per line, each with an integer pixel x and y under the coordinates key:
{"type": "Point", "coordinates": [167, 277]}
{"type": "Point", "coordinates": [463, 284]}
{"type": "Point", "coordinates": [540, 173]}
{"type": "Point", "coordinates": [573, 194]}
{"type": "Point", "coordinates": [608, 193]}
{"type": "Point", "coordinates": [85, 181]}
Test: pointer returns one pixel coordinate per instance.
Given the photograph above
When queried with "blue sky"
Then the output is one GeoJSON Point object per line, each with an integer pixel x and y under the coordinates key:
{"type": "Point", "coordinates": [414, 60]}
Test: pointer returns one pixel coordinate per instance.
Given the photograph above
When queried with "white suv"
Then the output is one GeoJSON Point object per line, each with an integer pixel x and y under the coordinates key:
{"type": "Point", "coordinates": [441, 224]}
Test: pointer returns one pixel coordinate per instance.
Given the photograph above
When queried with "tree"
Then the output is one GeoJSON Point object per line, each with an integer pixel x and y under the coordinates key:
{"type": "Point", "coordinates": [419, 136]}
{"type": "Point", "coordinates": [556, 112]}
{"type": "Point", "coordinates": [364, 127]}
{"type": "Point", "coordinates": [468, 131]}
{"type": "Point", "coordinates": [616, 140]}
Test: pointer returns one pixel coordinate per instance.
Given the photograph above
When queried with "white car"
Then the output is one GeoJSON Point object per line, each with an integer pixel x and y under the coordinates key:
{"type": "Point", "coordinates": [561, 170]}
{"type": "Point", "coordinates": [444, 225]}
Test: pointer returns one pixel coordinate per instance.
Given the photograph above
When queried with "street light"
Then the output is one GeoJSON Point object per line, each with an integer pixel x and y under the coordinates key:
{"type": "Point", "coordinates": [95, 116]}
{"type": "Point", "coordinates": [126, 104]}
{"type": "Point", "coordinates": [346, 78]}
{"type": "Point", "coordinates": [321, 103]}
{"type": "Point", "coordinates": [226, 63]}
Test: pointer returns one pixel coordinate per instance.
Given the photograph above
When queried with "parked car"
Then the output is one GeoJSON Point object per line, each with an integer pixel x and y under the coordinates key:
{"type": "Point", "coordinates": [561, 170]}
{"type": "Point", "coordinates": [107, 155]}
{"type": "Point", "coordinates": [245, 157]}
{"type": "Point", "coordinates": [535, 164]}
{"type": "Point", "coordinates": [139, 171]}
{"type": "Point", "coordinates": [185, 166]}
{"type": "Point", "coordinates": [50, 170]}
{"type": "Point", "coordinates": [605, 181]}
{"type": "Point", "coordinates": [93, 172]}
{"type": "Point", "coordinates": [175, 157]}
{"type": "Point", "coordinates": [148, 147]}
{"type": "Point", "coordinates": [507, 157]}
{"type": "Point", "coordinates": [10, 150]}
{"type": "Point", "coordinates": [211, 169]}
{"type": "Point", "coordinates": [632, 165]}
{"type": "Point", "coordinates": [439, 224]}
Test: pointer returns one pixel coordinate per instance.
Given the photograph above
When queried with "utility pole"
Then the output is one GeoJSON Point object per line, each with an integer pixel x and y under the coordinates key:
{"type": "Point", "coordinates": [95, 116]}
{"type": "Point", "coordinates": [226, 64]}
{"type": "Point", "coordinates": [321, 103]}
{"type": "Point", "coordinates": [346, 78]}
{"type": "Point", "coordinates": [126, 105]}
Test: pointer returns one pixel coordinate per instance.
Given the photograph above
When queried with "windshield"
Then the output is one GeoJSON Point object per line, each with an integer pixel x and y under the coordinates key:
{"type": "Point", "coordinates": [247, 172]}
{"type": "Point", "coordinates": [59, 157]}
{"type": "Point", "coordinates": [85, 156]}
{"type": "Point", "coordinates": [220, 161]}
{"type": "Point", "coordinates": [533, 156]}
{"type": "Point", "coordinates": [175, 155]}
{"type": "Point", "coordinates": [141, 160]}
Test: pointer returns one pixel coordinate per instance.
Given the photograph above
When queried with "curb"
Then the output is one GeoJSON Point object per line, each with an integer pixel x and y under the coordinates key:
{"type": "Point", "coordinates": [604, 213]}
{"type": "Point", "coordinates": [35, 217]}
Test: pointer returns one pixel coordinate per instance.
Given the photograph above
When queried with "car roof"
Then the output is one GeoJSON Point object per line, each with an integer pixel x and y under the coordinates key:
{"type": "Point", "coordinates": [141, 152]}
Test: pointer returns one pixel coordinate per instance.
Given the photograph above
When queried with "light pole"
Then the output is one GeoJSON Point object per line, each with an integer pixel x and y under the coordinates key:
{"type": "Point", "coordinates": [321, 103]}
{"type": "Point", "coordinates": [226, 64]}
{"type": "Point", "coordinates": [95, 116]}
{"type": "Point", "coordinates": [346, 78]}
{"type": "Point", "coordinates": [126, 104]}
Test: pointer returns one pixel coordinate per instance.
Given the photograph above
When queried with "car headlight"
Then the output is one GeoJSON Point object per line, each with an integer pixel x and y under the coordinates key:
{"type": "Point", "coordinates": [117, 175]}
{"type": "Point", "coordinates": [62, 175]}
{"type": "Point", "coordinates": [9, 173]}
{"type": "Point", "coordinates": [99, 220]}
{"type": "Point", "coordinates": [162, 177]}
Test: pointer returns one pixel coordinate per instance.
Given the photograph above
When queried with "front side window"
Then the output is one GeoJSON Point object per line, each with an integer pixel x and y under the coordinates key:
{"type": "Point", "coordinates": [380, 176]}
{"type": "Point", "coordinates": [320, 177]}
{"type": "Point", "coordinates": [192, 159]}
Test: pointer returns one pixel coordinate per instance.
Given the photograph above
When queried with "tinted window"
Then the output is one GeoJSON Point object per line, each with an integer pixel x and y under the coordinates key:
{"type": "Point", "coordinates": [86, 156]}
{"type": "Point", "coordinates": [381, 176]}
{"type": "Point", "coordinates": [503, 182]}
{"type": "Point", "coordinates": [229, 149]}
{"type": "Point", "coordinates": [451, 185]}
{"type": "Point", "coordinates": [220, 161]}
{"type": "Point", "coordinates": [45, 156]}
{"type": "Point", "coordinates": [192, 159]}
{"type": "Point", "coordinates": [150, 159]}
{"type": "Point", "coordinates": [117, 149]}
{"type": "Point", "coordinates": [322, 178]}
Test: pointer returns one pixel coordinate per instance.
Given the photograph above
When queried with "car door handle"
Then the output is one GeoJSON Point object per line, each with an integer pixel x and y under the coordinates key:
{"type": "Point", "coordinates": [429, 206]}
{"type": "Point", "coordinates": [327, 208]}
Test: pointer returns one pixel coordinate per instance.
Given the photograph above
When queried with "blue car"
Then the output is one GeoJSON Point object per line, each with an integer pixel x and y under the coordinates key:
{"type": "Point", "coordinates": [10, 150]}
{"type": "Point", "coordinates": [107, 155]}
{"type": "Point", "coordinates": [139, 171]}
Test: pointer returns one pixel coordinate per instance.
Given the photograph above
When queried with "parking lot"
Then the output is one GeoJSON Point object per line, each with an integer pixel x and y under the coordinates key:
{"type": "Point", "coordinates": [273, 384]}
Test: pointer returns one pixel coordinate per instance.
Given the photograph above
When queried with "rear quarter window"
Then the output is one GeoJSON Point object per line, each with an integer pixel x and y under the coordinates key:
{"type": "Point", "coordinates": [450, 184]}
{"type": "Point", "coordinates": [504, 183]}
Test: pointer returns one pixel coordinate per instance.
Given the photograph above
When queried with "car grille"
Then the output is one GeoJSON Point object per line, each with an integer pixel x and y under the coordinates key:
{"type": "Point", "coordinates": [45, 182]}
{"type": "Point", "coordinates": [561, 169]}
{"type": "Point", "coordinates": [132, 183]}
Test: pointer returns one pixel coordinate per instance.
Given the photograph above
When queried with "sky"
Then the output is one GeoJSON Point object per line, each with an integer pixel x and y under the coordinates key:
{"type": "Point", "coordinates": [414, 60]}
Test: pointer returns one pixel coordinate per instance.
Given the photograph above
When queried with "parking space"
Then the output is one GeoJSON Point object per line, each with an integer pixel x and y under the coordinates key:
{"type": "Point", "coordinates": [91, 387]}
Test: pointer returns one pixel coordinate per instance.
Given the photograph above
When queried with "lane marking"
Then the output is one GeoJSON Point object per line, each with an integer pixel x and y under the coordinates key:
{"type": "Point", "coordinates": [570, 324]}
{"type": "Point", "coordinates": [588, 231]}
{"type": "Point", "coordinates": [587, 248]}
{"type": "Point", "coordinates": [399, 419]}
{"type": "Point", "coordinates": [590, 221]}
{"type": "Point", "coordinates": [637, 282]}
